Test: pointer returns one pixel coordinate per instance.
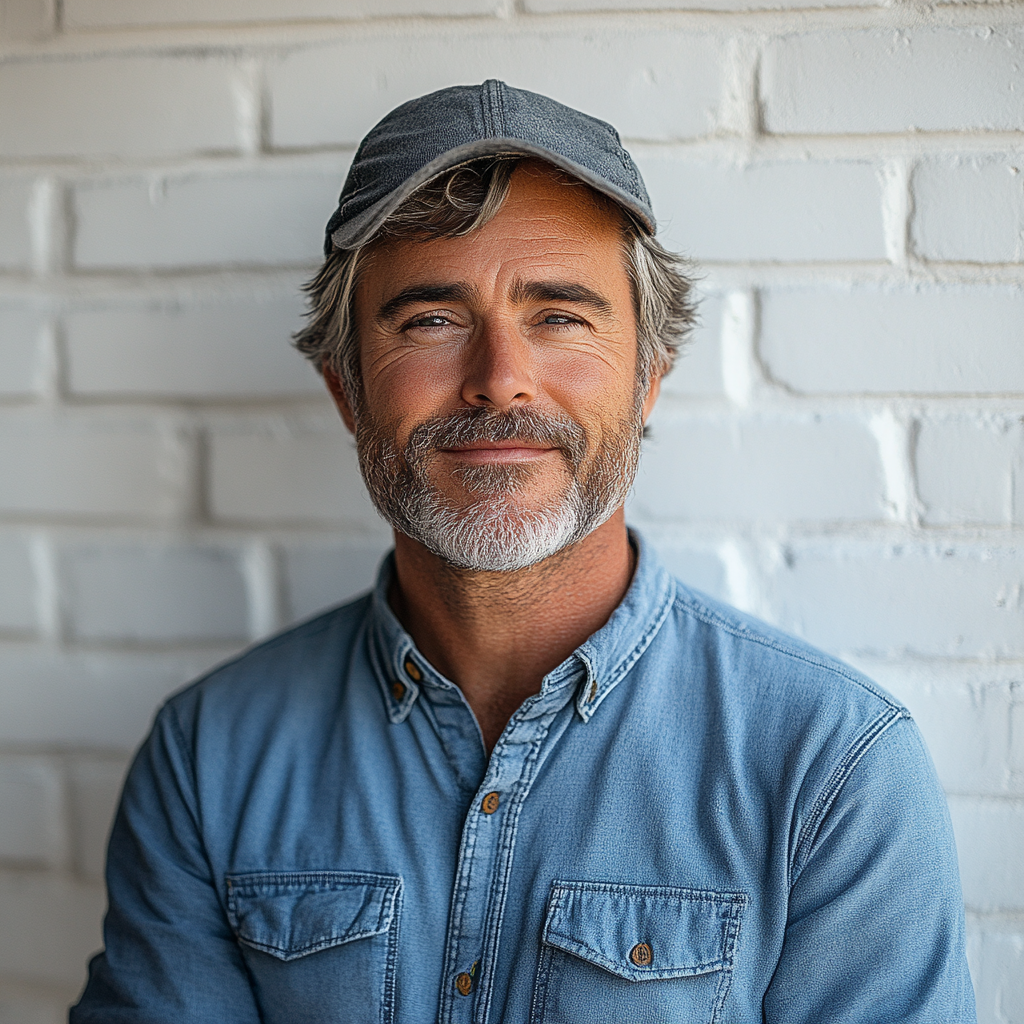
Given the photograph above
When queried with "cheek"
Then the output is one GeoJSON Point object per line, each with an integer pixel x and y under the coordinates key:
{"type": "Point", "coordinates": [589, 385]}
{"type": "Point", "coordinates": [410, 385]}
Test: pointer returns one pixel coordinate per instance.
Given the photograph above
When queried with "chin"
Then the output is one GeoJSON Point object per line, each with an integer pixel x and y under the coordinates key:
{"type": "Point", "coordinates": [501, 533]}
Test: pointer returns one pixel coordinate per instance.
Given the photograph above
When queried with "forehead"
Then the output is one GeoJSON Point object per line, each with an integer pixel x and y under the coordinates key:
{"type": "Point", "coordinates": [548, 222]}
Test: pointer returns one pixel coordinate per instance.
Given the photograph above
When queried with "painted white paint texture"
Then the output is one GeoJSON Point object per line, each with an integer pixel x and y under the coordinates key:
{"type": "Point", "coordinates": [839, 451]}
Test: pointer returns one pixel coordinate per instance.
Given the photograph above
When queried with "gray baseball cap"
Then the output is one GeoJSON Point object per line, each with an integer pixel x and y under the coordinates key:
{"type": "Point", "coordinates": [439, 131]}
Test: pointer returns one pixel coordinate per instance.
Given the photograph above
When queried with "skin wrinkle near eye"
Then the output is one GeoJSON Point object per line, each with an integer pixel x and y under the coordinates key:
{"type": "Point", "coordinates": [458, 203]}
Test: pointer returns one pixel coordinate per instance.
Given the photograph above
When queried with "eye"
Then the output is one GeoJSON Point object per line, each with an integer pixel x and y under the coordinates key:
{"type": "Point", "coordinates": [561, 320]}
{"type": "Point", "coordinates": [431, 320]}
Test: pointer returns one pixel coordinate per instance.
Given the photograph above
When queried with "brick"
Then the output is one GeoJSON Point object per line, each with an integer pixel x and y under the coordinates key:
{"type": "Point", "coordinates": [146, 13]}
{"type": "Point", "coordinates": [29, 1005]}
{"type": "Point", "coordinates": [51, 927]}
{"type": "Point", "coordinates": [698, 371]}
{"type": "Point", "coordinates": [990, 842]}
{"type": "Point", "coordinates": [967, 468]}
{"type": "Point", "coordinates": [18, 591]}
{"type": "Point", "coordinates": [1017, 737]}
{"type": "Point", "coordinates": [954, 601]}
{"type": "Point", "coordinates": [27, 20]}
{"type": "Point", "coordinates": [20, 331]}
{"type": "Point", "coordinates": [969, 208]}
{"type": "Point", "coordinates": [116, 106]}
{"type": "Point", "coordinates": [927, 78]}
{"type": "Point", "coordinates": [666, 83]}
{"type": "Point", "coordinates": [169, 593]}
{"type": "Point", "coordinates": [15, 233]}
{"type": "Point", "coordinates": [88, 467]}
{"type": "Point", "coordinates": [32, 811]}
{"type": "Point", "coordinates": [231, 347]}
{"type": "Point", "coordinates": [287, 471]}
{"type": "Point", "coordinates": [996, 955]}
{"type": "Point", "coordinates": [245, 219]}
{"type": "Point", "coordinates": [318, 575]}
{"type": "Point", "coordinates": [761, 469]}
{"type": "Point", "coordinates": [95, 786]}
{"type": "Point", "coordinates": [869, 340]}
{"type": "Point", "coordinates": [964, 716]}
{"type": "Point", "coordinates": [804, 210]}
{"type": "Point", "coordinates": [93, 698]}
{"type": "Point", "coordinates": [696, 567]}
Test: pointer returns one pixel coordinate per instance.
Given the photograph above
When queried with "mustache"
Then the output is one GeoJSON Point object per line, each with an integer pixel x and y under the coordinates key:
{"type": "Point", "coordinates": [466, 426]}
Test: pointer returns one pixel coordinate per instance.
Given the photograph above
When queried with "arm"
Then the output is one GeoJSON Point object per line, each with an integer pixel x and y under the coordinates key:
{"type": "Point", "coordinates": [170, 955]}
{"type": "Point", "coordinates": [875, 926]}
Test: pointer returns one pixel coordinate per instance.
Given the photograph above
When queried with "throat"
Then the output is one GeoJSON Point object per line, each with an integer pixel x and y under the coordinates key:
{"type": "Point", "coordinates": [497, 634]}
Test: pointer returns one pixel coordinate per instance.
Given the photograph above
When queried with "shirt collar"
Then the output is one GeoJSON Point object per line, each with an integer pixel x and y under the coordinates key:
{"type": "Point", "coordinates": [605, 657]}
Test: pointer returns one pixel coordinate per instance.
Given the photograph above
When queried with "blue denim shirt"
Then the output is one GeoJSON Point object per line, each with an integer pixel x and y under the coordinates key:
{"type": "Point", "coordinates": [696, 819]}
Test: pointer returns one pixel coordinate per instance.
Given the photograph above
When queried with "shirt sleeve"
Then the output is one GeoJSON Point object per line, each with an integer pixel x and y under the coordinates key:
{"type": "Point", "coordinates": [875, 925]}
{"type": "Point", "coordinates": [170, 955]}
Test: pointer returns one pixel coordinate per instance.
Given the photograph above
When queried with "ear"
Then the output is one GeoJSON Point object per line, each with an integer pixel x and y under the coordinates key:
{"type": "Point", "coordinates": [337, 390]}
{"type": "Point", "coordinates": [652, 396]}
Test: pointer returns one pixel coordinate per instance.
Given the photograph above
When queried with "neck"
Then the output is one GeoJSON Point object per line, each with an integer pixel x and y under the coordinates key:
{"type": "Point", "coordinates": [496, 635]}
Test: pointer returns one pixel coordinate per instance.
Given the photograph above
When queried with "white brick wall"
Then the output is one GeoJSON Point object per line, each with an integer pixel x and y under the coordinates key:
{"type": "Point", "coordinates": [969, 208]}
{"type": "Point", "coordinates": [247, 219]}
{"type": "Point", "coordinates": [841, 451]}
{"type": "Point", "coordinates": [182, 347]}
{"type": "Point", "coordinates": [15, 238]}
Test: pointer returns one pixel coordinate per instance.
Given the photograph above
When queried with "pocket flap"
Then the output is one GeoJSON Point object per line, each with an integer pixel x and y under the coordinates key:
{"type": "Point", "coordinates": [290, 914]}
{"type": "Point", "coordinates": [644, 932]}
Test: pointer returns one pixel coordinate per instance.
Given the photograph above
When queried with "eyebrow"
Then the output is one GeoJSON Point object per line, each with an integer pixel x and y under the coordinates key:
{"type": "Point", "coordinates": [456, 292]}
{"type": "Point", "coordinates": [522, 292]}
{"type": "Point", "coordinates": [560, 291]}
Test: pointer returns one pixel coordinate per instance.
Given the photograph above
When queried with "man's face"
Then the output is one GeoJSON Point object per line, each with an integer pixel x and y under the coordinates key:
{"type": "Point", "coordinates": [500, 418]}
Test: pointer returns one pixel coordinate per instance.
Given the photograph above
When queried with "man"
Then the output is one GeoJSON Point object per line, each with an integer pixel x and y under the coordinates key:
{"type": "Point", "coordinates": [531, 777]}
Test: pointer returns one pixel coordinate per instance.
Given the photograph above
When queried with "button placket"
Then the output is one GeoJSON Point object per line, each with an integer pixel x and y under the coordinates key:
{"type": "Point", "coordinates": [486, 854]}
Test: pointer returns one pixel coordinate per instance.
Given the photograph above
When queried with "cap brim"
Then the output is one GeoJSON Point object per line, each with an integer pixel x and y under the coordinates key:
{"type": "Point", "coordinates": [362, 227]}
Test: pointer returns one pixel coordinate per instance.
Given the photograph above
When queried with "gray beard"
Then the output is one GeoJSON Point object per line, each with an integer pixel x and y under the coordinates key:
{"type": "Point", "coordinates": [495, 532]}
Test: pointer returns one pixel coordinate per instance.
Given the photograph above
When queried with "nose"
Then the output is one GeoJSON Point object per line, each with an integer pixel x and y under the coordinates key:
{"type": "Point", "coordinates": [499, 369]}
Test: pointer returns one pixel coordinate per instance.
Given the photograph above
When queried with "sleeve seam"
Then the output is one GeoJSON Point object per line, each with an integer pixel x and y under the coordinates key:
{"type": "Point", "coordinates": [843, 770]}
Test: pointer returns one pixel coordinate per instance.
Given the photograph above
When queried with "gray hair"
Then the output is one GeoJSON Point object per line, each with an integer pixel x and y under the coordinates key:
{"type": "Point", "coordinates": [457, 203]}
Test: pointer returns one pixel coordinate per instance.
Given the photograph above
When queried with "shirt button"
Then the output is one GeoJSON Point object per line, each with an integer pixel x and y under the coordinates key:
{"type": "Point", "coordinates": [413, 672]}
{"type": "Point", "coordinates": [464, 983]}
{"type": "Point", "coordinates": [398, 690]}
{"type": "Point", "coordinates": [641, 954]}
{"type": "Point", "coordinates": [489, 804]}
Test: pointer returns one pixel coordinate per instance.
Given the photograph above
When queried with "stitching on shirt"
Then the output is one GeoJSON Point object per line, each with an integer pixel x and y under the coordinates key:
{"type": "Point", "coordinates": [725, 977]}
{"type": "Point", "coordinates": [616, 674]}
{"type": "Point", "coordinates": [676, 892]}
{"type": "Point", "coordinates": [830, 791]}
{"type": "Point", "coordinates": [500, 887]}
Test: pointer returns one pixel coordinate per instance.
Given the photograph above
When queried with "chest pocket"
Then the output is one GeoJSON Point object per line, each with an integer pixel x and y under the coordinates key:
{"type": "Point", "coordinates": [319, 945]}
{"type": "Point", "coordinates": [635, 954]}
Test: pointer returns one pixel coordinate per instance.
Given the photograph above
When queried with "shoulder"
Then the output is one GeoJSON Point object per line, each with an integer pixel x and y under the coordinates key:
{"type": "Point", "coordinates": [796, 719]}
{"type": "Point", "coordinates": [301, 668]}
{"type": "Point", "coordinates": [767, 664]}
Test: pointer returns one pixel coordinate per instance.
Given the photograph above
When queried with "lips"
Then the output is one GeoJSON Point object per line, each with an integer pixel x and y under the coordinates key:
{"type": "Point", "coordinates": [500, 452]}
